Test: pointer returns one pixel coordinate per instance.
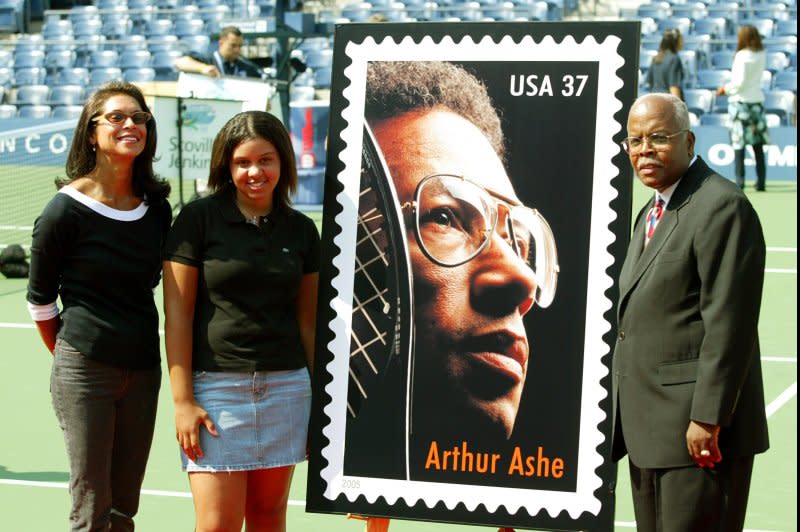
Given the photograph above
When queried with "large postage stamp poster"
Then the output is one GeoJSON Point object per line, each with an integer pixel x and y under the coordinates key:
{"type": "Point", "coordinates": [475, 218]}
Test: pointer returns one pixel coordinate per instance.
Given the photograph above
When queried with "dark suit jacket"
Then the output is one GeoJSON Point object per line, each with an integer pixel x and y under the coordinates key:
{"type": "Point", "coordinates": [687, 347]}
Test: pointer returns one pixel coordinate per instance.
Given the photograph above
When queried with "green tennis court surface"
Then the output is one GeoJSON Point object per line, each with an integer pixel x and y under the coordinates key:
{"type": "Point", "coordinates": [33, 466]}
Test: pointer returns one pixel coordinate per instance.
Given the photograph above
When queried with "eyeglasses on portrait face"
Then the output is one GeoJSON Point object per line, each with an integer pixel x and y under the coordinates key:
{"type": "Point", "coordinates": [455, 218]}
{"type": "Point", "coordinates": [118, 117]}
{"type": "Point", "coordinates": [657, 141]}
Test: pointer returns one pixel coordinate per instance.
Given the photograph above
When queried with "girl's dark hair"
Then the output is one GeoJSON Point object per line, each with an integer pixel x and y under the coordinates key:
{"type": "Point", "coordinates": [246, 126]}
{"type": "Point", "coordinates": [670, 42]}
{"type": "Point", "coordinates": [82, 158]}
{"type": "Point", "coordinates": [748, 37]}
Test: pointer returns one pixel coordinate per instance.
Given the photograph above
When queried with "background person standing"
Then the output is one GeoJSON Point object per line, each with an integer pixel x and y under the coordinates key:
{"type": "Point", "coordinates": [746, 103]}
{"type": "Point", "coordinates": [666, 71]}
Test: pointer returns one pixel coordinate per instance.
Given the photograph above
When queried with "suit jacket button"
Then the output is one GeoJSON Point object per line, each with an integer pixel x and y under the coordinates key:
{"type": "Point", "coordinates": [621, 335]}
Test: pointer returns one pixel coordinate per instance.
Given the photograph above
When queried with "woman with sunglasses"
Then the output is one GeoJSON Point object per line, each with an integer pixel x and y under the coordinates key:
{"type": "Point", "coordinates": [97, 246]}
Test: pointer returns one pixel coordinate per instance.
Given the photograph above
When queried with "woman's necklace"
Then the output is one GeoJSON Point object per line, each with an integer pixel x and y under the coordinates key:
{"type": "Point", "coordinates": [250, 216]}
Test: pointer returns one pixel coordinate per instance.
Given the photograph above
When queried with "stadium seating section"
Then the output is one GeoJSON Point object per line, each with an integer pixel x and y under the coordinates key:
{"type": "Point", "coordinates": [83, 46]}
{"type": "Point", "coordinates": [709, 29]}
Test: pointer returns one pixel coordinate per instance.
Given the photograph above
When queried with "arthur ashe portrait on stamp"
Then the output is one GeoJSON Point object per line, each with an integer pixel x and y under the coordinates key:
{"type": "Point", "coordinates": [465, 359]}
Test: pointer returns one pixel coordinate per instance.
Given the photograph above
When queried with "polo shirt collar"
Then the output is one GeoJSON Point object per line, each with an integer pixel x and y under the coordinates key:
{"type": "Point", "coordinates": [231, 213]}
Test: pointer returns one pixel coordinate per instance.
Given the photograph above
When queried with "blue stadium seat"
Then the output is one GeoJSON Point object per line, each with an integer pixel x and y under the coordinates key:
{"type": "Point", "coordinates": [786, 44]}
{"type": "Point", "coordinates": [186, 27]}
{"type": "Point", "coordinates": [765, 26]}
{"type": "Point", "coordinates": [34, 111]}
{"type": "Point", "coordinates": [82, 29]}
{"type": "Point", "coordinates": [8, 111]}
{"type": "Point", "coordinates": [722, 60]}
{"type": "Point", "coordinates": [66, 95]}
{"type": "Point", "coordinates": [141, 74]}
{"type": "Point", "coordinates": [98, 76]}
{"type": "Point", "coordinates": [163, 65]}
{"type": "Point", "coordinates": [358, 12]}
{"type": "Point", "coordinates": [56, 60]}
{"type": "Point", "coordinates": [646, 59]}
{"type": "Point", "coordinates": [6, 58]}
{"type": "Point", "coordinates": [720, 104]}
{"type": "Point", "coordinates": [786, 27]}
{"type": "Point", "coordinates": [699, 101]}
{"type": "Point", "coordinates": [32, 95]}
{"type": "Point", "coordinates": [103, 59]}
{"type": "Point", "coordinates": [690, 10]}
{"type": "Point", "coordinates": [682, 24]}
{"type": "Point", "coordinates": [701, 44]}
{"type": "Point", "coordinates": [134, 59]}
{"type": "Point", "coordinates": [117, 28]}
{"type": "Point", "coordinates": [785, 80]}
{"type": "Point", "coordinates": [29, 76]}
{"type": "Point", "coordinates": [715, 119]}
{"type": "Point", "coordinates": [781, 103]}
{"type": "Point", "coordinates": [14, 16]}
{"type": "Point", "coordinates": [29, 59]}
{"type": "Point", "coordinates": [60, 43]}
{"type": "Point", "coordinates": [195, 43]}
{"type": "Point", "coordinates": [712, 79]}
{"type": "Point", "coordinates": [717, 27]}
{"type": "Point", "coordinates": [655, 10]}
{"type": "Point", "coordinates": [159, 27]}
{"type": "Point", "coordinates": [56, 27]}
{"type": "Point", "coordinates": [766, 80]}
{"type": "Point", "coordinates": [6, 76]}
{"type": "Point", "coordinates": [28, 42]}
{"type": "Point", "coordinates": [690, 61]}
{"type": "Point", "coordinates": [319, 58]}
{"type": "Point", "coordinates": [67, 111]}
{"type": "Point", "coordinates": [74, 76]}
{"type": "Point", "coordinates": [727, 10]}
{"type": "Point", "coordinates": [166, 43]}
{"type": "Point", "coordinates": [772, 120]}
{"type": "Point", "coordinates": [499, 11]}
{"type": "Point", "coordinates": [83, 12]}
{"type": "Point", "coordinates": [132, 43]}
{"type": "Point", "coordinates": [322, 77]}
{"type": "Point", "coordinates": [777, 61]}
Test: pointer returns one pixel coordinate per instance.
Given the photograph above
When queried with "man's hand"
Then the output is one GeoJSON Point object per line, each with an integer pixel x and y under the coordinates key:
{"type": "Point", "coordinates": [210, 71]}
{"type": "Point", "coordinates": [702, 440]}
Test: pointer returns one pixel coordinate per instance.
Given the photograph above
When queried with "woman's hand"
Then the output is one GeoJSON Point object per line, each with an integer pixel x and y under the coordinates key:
{"type": "Point", "coordinates": [188, 418]}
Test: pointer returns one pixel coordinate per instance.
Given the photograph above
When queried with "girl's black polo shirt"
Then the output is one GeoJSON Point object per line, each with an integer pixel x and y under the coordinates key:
{"type": "Point", "coordinates": [245, 316]}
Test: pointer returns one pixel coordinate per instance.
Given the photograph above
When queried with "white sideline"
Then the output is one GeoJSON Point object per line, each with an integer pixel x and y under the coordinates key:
{"type": "Point", "coordinates": [187, 495]}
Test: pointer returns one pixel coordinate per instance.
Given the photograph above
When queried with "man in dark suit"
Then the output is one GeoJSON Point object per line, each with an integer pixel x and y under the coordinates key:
{"type": "Point", "coordinates": [688, 395]}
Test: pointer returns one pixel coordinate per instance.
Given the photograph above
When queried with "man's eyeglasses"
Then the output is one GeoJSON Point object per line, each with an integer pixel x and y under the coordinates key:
{"type": "Point", "coordinates": [454, 220]}
{"type": "Point", "coordinates": [656, 141]}
{"type": "Point", "coordinates": [118, 117]}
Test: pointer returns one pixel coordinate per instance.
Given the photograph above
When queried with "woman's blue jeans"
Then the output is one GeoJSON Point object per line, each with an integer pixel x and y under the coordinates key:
{"type": "Point", "coordinates": [107, 415]}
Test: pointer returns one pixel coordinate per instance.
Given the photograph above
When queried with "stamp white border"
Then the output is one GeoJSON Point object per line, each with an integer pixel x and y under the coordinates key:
{"type": "Point", "coordinates": [583, 499]}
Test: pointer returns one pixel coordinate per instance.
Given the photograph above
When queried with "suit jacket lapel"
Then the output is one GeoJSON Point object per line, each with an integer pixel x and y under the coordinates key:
{"type": "Point", "coordinates": [639, 258]}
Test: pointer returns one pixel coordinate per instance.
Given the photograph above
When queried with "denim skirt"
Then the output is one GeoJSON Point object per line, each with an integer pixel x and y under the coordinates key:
{"type": "Point", "coordinates": [261, 418]}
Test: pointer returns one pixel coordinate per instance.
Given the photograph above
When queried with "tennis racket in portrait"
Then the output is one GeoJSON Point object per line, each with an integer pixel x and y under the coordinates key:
{"type": "Point", "coordinates": [381, 339]}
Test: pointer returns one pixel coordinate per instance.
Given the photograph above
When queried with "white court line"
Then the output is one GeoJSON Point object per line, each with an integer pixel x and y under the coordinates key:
{"type": "Point", "coordinates": [781, 270]}
{"type": "Point", "coordinates": [187, 495]}
{"type": "Point", "coordinates": [788, 394]}
{"type": "Point", "coordinates": [782, 250]}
